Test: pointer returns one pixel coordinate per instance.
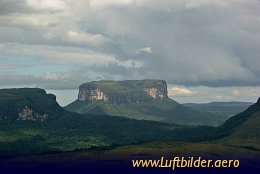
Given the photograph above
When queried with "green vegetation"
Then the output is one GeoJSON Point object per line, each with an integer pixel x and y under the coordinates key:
{"type": "Point", "coordinates": [239, 136]}
{"type": "Point", "coordinates": [73, 131]}
{"type": "Point", "coordinates": [169, 148]}
{"type": "Point", "coordinates": [244, 129]}
{"type": "Point", "coordinates": [163, 111]}
{"type": "Point", "coordinates": [144, 107]}
{"type": "Point", "coordinates": [67, 131]}
{"type": "Point", "coordinates": [13, 100]}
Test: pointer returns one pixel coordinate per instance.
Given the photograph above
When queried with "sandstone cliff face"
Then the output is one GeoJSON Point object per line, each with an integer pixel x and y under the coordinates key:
{"type": "Point", "coordinates": [123, 92]}
{"type": "Point", "coordinates": [157, 93]}
{"type": "Point", "coordinates": [28, 114]}
{"type": "Point", "coordinates": [91, 94]}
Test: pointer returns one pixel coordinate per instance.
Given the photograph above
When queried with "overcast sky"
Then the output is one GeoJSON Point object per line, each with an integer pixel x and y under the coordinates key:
{"type": "Point", "coordinates": [207, 50]}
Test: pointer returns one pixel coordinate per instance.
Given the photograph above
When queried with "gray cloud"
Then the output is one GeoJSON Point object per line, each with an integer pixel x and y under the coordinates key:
{"type": "Point", "coordinates": [187, 42]}
{"type": "Point", "coordinates": [13, 6]}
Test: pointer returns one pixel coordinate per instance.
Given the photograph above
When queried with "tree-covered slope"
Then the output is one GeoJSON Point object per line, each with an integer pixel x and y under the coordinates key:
{"type": "Point", "coordinates": [244, 128]}
{"type": "Point", "coordinates": [66, 131]}
{"type": "Point", "coordinates": [13, 101]}
{"type": "Point", "coordinates": [167, 111]}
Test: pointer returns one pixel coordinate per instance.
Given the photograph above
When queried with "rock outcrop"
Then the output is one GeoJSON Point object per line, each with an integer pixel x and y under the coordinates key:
{"type": "Point", "coordinates": [122, 92]}
{"type": "Point", "coordinates": [157, 93]}
{"type": "Point", "coordinates": [28, 104]}
{"type": "Point", "coordinates": [91, 94]}
{"type": "Point", "coordinates": [137, 99]}
{"type": "Point", "coordinates": [28, 114]}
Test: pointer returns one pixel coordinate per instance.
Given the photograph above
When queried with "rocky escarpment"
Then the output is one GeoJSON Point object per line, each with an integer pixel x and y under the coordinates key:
{"type": "Point", "coordinates": [27, 104]}
{"type": "Point", "coordinates": [137, 99]}
{"type": "Point", "coordinates": [28, 114]}
{"type": "Point", "coordinates": [122, 92]}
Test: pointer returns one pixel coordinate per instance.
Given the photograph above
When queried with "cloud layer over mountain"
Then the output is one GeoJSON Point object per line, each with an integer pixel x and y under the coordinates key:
{"type": "Point", "coordinates": [60, 44]}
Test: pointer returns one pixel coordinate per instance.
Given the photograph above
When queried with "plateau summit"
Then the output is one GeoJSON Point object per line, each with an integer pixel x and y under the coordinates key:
{"type": "Point", "coordinates": [138, 99]}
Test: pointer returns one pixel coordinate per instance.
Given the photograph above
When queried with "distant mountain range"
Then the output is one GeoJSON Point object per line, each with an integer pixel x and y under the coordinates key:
{"type": "Point", "coordinates": [138, 99]}
{"type": "Point", "coordinates": [226, 109]}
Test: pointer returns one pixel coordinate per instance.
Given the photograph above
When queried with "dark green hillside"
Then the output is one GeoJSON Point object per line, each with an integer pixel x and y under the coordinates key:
{"type": "Point", "coordinates": [73, 131]}
{"type": "Point", "coordinates": [66, 131]}
{"type": "Point", "coordinates": [167, 111]}
{"type": "Point", "coordinates": [237, 121]}
{"type": "Point", "coordinates": [239, 136]}
{"type": "Point", "coordinates": [244, 128]}
{"type": "Point", "coordinates": [241, 130]}
{"type": "Point", "coordinates": [13, 101]}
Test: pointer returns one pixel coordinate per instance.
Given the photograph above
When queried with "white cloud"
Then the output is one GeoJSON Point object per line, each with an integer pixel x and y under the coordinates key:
{"type": "Point", "coordinates": [196, 3]}
{"type": "Point", "coordinates": [224, 98]}
{"type": "Point", "coordinates": [146, 50]}
{"type": "Point", "coordinates": [85, 38]}
{"type": "Point", "coordinates": [75, 37]}
{"type": "Point", "coordinates": [180, 91]}
{"type": "Point", "coordinates": [236, 92]}
{"type": "Point", "coordinates": [28, 20]}
{"type": "Point", "coordinates": [51, 76]}
{"type": "Point", "coordinates": [52, 5]}
{"type": "Point", "coordinates": [65, 77]}
{"type": "Point", "coordinates": [34, 13]}
{"type": "Point", "coordinates": [129, 63]}
{"type": "Point", "coordinates": [67, 56]}
{"type": "Point", "coordinates": [193, 42]}
{"type": "Point", "coordinates": [49, 35]}
{"type": "Point", "coordinates": [203, 94]}
{"type": "Point", "coordinates": [99, 4]}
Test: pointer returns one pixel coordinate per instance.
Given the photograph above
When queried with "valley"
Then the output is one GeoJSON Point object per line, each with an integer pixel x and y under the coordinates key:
{"type": "Point", "coordinates": [33, 127]}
